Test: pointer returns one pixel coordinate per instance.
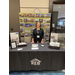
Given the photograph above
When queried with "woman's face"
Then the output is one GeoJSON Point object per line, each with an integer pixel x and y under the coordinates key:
{"type": "Point", "coordinates": [38, 25]}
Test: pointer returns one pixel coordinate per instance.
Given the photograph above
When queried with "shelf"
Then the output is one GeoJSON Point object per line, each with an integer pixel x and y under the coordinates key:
{"type": "Point", "coordinates": [33, 18]}
{"type": "Point", "coordinates": [34, 22]}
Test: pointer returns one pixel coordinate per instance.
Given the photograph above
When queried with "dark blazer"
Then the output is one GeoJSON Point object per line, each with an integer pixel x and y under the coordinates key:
{"type": "Point", "coordinates": [35, 35]}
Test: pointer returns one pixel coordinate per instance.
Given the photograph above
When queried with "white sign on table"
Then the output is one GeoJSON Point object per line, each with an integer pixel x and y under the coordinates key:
{"type": "Point", "coordinates": [14, 36]}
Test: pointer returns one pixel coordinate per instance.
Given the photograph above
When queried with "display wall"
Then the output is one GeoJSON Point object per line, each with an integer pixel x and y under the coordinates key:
{"type": "Point", "coordinates": [27, 25]}
{"type": "Point", "coordinates": [15, 8]}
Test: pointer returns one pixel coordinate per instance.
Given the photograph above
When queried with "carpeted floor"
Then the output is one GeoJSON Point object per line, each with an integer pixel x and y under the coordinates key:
{"type": "Point", "coordinates": [38, 73]}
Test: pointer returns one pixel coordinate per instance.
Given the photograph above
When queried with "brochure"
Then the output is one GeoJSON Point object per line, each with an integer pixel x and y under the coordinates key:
{"type": "Point", "coordinates": [35, 47]}
{"type": "Point", "coordinates": [54, 44]}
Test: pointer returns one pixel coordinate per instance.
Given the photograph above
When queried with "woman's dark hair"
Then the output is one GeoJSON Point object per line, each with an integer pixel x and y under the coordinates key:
{"type": "Point", "coordinates": [37, 22]}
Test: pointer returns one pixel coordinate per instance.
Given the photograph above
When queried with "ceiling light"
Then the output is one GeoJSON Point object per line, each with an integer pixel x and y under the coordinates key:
{"type": "Point", "coordinates": [59, 7]}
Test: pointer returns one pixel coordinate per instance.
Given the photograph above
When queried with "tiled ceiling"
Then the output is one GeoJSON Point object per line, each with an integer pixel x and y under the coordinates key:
{"type": "Point", "coordinates": [60, 8]}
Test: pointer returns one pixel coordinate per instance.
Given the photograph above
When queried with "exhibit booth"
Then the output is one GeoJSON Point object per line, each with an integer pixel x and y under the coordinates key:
{"type": "Point", "coordinates": [26, 56]}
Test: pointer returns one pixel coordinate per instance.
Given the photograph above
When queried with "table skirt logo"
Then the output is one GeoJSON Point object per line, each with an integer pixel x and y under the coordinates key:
{"type": "Point", "coordinates": [35, 61]}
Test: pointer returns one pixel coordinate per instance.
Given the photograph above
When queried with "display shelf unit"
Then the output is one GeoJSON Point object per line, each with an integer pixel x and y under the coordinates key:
{"type": "Point", "coordinates": [27, 25]}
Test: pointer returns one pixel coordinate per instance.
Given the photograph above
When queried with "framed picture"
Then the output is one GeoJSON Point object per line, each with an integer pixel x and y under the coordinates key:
{"type": "Point", "coordinates": [27, 30]}
{"type": "Point", "coordinates": [47, 25]}
{"type": "Point", "coordinates": [21, 20]}
{"type": "Point", "coordinates": [13, 45]}
{"type": "Point", "coordinates": [32, 30]}
{"type": "Point", "coordinates": [48, 15]}
{"type": "Point", "coordinates": [27, 35]}
{"type": "Point", "coordinates": [19, 14]}
{"type": "Point", "coordinates": [32, 20]}
{"type": "Point", "coordinates": [28, 20]}
{"type": "Point", "coordinates": [48, 20]}
{"type": "Point", "coordinates": [47, 30]}
{"type": "Point", "coordinates": [25, 20]}
{"type": "Point", "coordinates": [22, 30]}
{"type": "Point", "coordinates": [22, 35]}
{"type": "Point", "coordinates": [43, 15]}
{"type": "Point", "coordinates": [32, 15]}
{"type": "Point", "coordinates": [14, 36]}
{"type": "Point", "coordinates": [44, 20]}
{"type": "Point", "coordinates": [26, 15]}
{"type": "Point", "coordinates": [22, 15]}
{"type": "Point", "coordinates": [27, 25]}
{"type": "Point", "coordinates": [41, 20]}
{"type": "Point", "coordinates": [42, 25]}
{"type": "Point", "coordinates": [21, 24]}
{"type": "Point", "coordinates": [36, 20]}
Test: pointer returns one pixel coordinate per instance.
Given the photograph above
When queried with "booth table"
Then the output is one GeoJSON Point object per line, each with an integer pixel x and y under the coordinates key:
{"type": "Point", "coordinates": [42, 59]}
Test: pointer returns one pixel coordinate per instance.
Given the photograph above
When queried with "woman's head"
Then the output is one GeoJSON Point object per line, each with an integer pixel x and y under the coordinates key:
{"type": "Point", "coordinates": [38, 24]}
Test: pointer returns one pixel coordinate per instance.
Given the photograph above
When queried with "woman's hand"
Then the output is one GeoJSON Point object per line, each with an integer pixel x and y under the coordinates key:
{"type": "Point", "coordinates": [32, 42]}
{"type": "Point", "coordinates": [42, 42]}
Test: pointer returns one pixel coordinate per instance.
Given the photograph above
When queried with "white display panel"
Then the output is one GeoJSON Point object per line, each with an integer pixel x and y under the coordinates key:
{"type": "Point", "coordinates": [14, 36]}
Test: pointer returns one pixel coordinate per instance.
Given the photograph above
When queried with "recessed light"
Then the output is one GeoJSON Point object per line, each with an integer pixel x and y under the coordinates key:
{"type": "Point", "coordinates": [59, 7]}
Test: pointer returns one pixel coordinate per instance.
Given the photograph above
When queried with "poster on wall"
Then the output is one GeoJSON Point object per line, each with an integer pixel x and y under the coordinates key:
{"type": "Point", "coordinates": [14, 36]}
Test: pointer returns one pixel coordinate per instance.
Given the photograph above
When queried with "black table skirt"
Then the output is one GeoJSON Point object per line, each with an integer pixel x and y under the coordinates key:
{"type": "Point", "coordinates": [50, 60]}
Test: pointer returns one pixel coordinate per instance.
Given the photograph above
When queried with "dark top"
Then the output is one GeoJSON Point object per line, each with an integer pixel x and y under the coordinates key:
{"type": "Point", "coordinates": [39, 33]}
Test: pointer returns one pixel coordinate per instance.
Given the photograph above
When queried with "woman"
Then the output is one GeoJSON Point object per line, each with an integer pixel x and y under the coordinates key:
{"type": "Point", "coordinates": [38, 34]}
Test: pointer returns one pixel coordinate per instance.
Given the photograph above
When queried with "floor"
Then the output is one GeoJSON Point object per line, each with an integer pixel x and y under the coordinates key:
{"type": "Point", "coordinates": [38, 73]}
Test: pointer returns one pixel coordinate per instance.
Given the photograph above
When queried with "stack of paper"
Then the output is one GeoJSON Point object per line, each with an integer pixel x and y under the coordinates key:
{"type": "Point", "coordinates": [54, 44]}
{"type": "Point", "coordinates": [19, 49]}
{"type": "Point", "coordinates": [35, 47]}
{"type": "Point", "coordinates": [22, 43]}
